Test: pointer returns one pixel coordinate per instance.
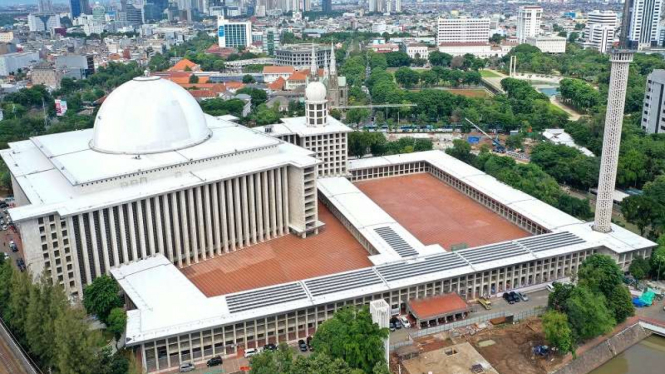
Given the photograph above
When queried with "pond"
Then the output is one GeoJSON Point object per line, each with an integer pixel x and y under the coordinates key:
{"type": "Point", "coordinates": [644, 357]}
{"type": "Point", "coordinates": [548, 90]}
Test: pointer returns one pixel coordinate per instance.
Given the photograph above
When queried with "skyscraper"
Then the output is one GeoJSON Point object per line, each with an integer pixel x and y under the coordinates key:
{"type": "Point", "coordinates": [463, 30]}
{"type": "Point", "coordinates": [643, 22]}
{"type": "Point", "coordinates": [234, 34]}
{"type": "Point", "coordinates": [78, 7]}
{"type": "Point", "coordinates": [44, 6]}
{"type": "Point", "coordinates": [528, 22]}
{"type": "Point", "coordinates": [326, 6]}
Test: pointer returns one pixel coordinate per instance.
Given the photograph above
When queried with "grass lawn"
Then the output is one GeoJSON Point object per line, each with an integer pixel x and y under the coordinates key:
{"type": "Point", "coordinates": [489, 74]}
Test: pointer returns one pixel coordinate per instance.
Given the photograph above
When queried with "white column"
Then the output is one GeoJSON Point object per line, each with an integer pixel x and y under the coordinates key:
{"type": "Point", "coordinates": [105, 242]}
{"type": "Point", "coordinates": [278, 203]}
{"type": "Point", "coordinates": [266, 206]}
{"type": "Point", "coordinates": [238, 213]}
{"type": "Point", "coordinates": [93, 239]}
{"type": "Point", "coordinates": [132, 231]}
{"type": "Point", "coordinates": [285, 189]}
{"type": "Point", "coordinates": [609, 160]}
{"type": "Point", "coordinates": [84, 250]}
{"type": "Point", "coordinates": [224, 220]}
{"type": "Point", "coordinates": [201, 226]}
{"type": "Point", "coordinates": [210, 246]}
{"type": "Point", "coordinates": [141, 233]}
{"type": "Point", "coordinates": [273, 209]}
{"type": "Point", "coordinates": [184, 226]}
{"type": "Point", "coordinates": [195, 244]}
{"type": "Point", "coordinates": [177, 228]}
{"type": "Point", "coordinates": [215, 219]}
{"type": "Point", "coordinates": [114, 239]}
{"type": "Point", "coordinates": [159, 227]}
{"type": "Point", "coordinates": [245, 211]}
{"type": "Point", "coordinates": [259, 206]}
{"type": "Point", "coordinates": [252, 208]}
{"type": "Point", "coordinates": [123, 236]}
{"type": "Point", "coordinates": [149, 218]}
{"type": "Point", "coordinates": [231, 214]}
{"type": "Point", "coordinates": [168, 239]}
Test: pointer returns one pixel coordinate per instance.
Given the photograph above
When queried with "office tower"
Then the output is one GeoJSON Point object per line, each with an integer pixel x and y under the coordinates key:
{"type": "Point", "coordinates": [643, 23]}
{"type": "Point", "coordinates": [599, 31]}
{"type": "Point", "coordinates": [44, 6]}
{"type": "Point", "coordinates": [233, 34]}
{"type": "Point", "coordinates": [154, 9]}
{"type": "Point", "coordinates": [78, 7]}
{"type": "Point", "coordinates": [326, 6]}
{"type": "Point", "coordinates": [463, 30]}
{"type": "Point", "coordinates": [654, 103]}
{"type": "Point", "coordinates": [528, 22]}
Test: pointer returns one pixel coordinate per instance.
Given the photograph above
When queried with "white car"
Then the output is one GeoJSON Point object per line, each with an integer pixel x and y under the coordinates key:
{"type": "Point", "coordinates": [550, 287]}
{"type": "Point", "coordinates": [405, 322]}
{"type": "Point", "coordinates": [249, 352]}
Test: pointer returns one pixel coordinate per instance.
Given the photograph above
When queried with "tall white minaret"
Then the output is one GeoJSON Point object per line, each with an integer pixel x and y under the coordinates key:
{"type": "Point", "coordinates": [333, 63]}
{"type": "Point", "coordinates": [616, 100]}
{"type": "Point", "coordinates": [314, 67]}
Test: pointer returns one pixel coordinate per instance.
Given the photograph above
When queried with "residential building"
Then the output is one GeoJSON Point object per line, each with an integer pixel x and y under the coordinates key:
{"type": "Point", "coordinates": [46, 75]}
{"type": "Point", "coordinates": [6, 37]}
{"type": "Point", "coordinates": [463, 30]}
{"type": "Point", "coordinates": [653, 114]}
{"type": "Point", "coordinates": [480, 50]}
{"type": "Point", "coordinates": [548, 43]}
{"type": "Point", "coordinates": [234, 34]}
{"type": "Point", "coordinates": [529, 19]}
{"type": "Point", "coordinates": [272, 73]}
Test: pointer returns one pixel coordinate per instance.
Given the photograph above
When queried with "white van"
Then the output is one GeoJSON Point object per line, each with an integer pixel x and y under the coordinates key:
{"type": "Point", "coordinates": [249, 352]}
{"type": "Point", "coordinates": [405, 322]}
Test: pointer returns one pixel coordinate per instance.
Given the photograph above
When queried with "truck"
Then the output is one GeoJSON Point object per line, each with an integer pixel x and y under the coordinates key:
{"type": "Point", "coordinates": [485, 302]}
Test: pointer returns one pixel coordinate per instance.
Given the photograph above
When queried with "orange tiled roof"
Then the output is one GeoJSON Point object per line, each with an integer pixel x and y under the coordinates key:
{"type": "Point", "coordinates": [436, 306]}
{"type": "Point", "coordinates": [278, 69]}
{"type": "Point", "coordinates": [278, 84]}
{"type": "Point", "coordinates": [234, 85]}
{"type": "Point", "coordinates": [183, 64]}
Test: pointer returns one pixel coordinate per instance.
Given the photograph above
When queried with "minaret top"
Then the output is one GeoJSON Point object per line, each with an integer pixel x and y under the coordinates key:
{"type": "Point", "coordinates": [333, 63]}
{"type": "Point", "coordinates": [314, 67]}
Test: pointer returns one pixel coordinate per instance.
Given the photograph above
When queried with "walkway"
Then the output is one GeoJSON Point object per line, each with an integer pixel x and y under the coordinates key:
{"type": "Point", "coordinates": [574, 115]}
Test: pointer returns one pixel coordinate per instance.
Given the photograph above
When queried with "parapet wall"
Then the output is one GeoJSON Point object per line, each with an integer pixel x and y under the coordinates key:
{"type": "Point", "coordinates": [605, 351]}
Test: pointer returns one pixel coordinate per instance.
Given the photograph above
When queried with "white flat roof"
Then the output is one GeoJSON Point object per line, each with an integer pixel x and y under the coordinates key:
{"type": "Point", "coordinates": [297, 125]}
{"type": "Point", "coordinates": [161, 293]}
{"type": "Point", "coordinates": [51, 169]}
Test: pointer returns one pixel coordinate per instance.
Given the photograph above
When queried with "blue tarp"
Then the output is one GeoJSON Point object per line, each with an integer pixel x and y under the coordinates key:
{"type": "Point", "coordinates": [639, 303]}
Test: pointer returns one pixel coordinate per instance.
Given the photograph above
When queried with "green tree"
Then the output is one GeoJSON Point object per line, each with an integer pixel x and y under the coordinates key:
{"type": "Point", "coordinates": [461, 150]}
{"type": "Point", "coordinates": [588, 314]}
{"type": "Point", "coordinates": [357, 115]}
{"type": "Point", "coordinates": [117, 321]}
{"type": "Point", "coordinates": [639, 268]}
{"type": "Point", "coordinates": [77, 348]}
{"type": "Point", "coordinates": [407, 77]}
{"type": "Point", "coordinates": [557, 299]}
{"type": "Point", "coordinates": [247, 79]}
{"type": "Point", "coordinates": [437, 58]}
{"type": "Point", "coordinates": [258, 95]}
{"type": "Point", "coordinates": [352, 337]}
{"type": "Point", "coordinates": [193, 79]}
{"type": "Point", "coordinates": [101, 296]}
{"type": "Point", "coordinates": [657, 259]}
{"type": "Point", "coordinates": [557, 331]}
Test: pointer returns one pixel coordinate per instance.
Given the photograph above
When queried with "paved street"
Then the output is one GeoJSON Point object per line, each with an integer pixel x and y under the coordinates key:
{"type": "Point", "coordinates": [9, 363]}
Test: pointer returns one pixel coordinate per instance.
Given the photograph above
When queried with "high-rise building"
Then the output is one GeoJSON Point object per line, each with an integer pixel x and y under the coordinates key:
{"type": "Point", "coordinates": [154, 9]}
{"type": "Point", "coordinates": [600, 29]}
{"type": "Point", "coordinates": [78, 7]}
{"type": "Point", "coordinates": [643, 23]}
{"type": "Point", "coordinates": [40, 22]}
{"type": "Point", "coordinates": [326, 6]}
{"type": "Point", "coordinates": [44, 6]}
{"type": "Point", "coordinates": [654, 103]}
{"type": "Point", "coordinates": [270, 40]}
{"type": "Point", "coordinates": [463, 30]}
{"type": "Point", "coordinates": [232, 34]}
{"type": "Point", "coordinates": [528, 22]}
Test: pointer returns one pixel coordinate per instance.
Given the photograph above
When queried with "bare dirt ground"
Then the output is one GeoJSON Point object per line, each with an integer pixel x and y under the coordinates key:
{"type": "Point", "coordinates": [511, 352]}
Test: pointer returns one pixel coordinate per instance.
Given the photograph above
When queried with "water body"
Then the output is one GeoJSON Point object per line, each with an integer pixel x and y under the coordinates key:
{"type": "Point", "coordinates": [549, 91]}
{"type": "Point", "coordinates": [645, 357]}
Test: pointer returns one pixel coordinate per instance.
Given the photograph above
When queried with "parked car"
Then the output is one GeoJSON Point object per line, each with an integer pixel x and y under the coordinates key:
{"type": "Point", "coordinates": [249, 352]}
{"type": "Point", "coordinates": [523, 296]}
{"type": "Point", "coordinates": [302, 345]}
{"type": "Point", "coordinates": [270, 347]}
{"type": "Point", "coordinates": [20, 264]}
{"type": "Point", "coordinates": [217, 360]}
{"type": "Point", "coordinates": [391, 326]}
{"type": "Point", "coordinates": [508, 298]}
{"type": "Point", "coordinates": [515, 297]}
{"type": "Point", "coordinates": [187, 367]}
{"type": "Point", "coordinates": [550, 287]}
{"type": "Point", "coordinates": [405, 322]}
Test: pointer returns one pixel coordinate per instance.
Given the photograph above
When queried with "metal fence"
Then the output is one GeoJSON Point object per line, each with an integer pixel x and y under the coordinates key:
{"type": "Point", "coordinates": [518, 316]}
{"type": "Point", "coordinates": [26, 361]}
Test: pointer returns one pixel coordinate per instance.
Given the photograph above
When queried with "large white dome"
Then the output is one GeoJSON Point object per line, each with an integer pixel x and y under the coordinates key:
{"type": "Point", "coordinates": [316, 92]}
{"type": "Point", "coordinates": [148, 115]}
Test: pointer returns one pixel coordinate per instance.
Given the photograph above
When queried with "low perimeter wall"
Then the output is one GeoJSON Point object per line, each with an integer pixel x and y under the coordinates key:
{"type": "Point", "coordinates": [605, 351]}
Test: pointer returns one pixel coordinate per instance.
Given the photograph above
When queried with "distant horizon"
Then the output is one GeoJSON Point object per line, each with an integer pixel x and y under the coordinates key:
{"type": "Point", "coordinates": [30, 2]}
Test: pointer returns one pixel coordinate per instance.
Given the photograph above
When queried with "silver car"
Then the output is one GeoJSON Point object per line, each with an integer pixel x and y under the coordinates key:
{"type": "Point", "coordinates": [187, 367]}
